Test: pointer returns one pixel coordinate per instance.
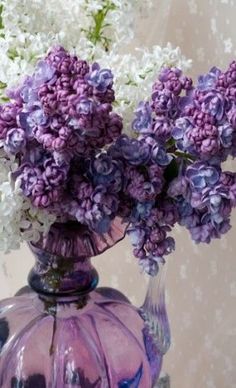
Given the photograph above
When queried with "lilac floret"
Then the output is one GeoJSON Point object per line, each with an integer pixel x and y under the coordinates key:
{"type": "Point", "coordinates": [209, 80]}
{"type": "Point", "coordinates": [101, 79]}
{"type": "Point", "coordinates": [15, 141]}
{"type": "Point", "coordinates": [133, 151]}
{"type": "Point", "coordinates": [143, 121]}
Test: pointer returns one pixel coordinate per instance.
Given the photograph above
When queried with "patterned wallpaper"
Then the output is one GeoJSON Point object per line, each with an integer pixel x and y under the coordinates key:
{"type": "Point", "coordinates": [201, 280]}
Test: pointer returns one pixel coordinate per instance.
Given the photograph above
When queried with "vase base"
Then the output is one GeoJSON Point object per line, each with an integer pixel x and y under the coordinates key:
{"type": "Point", "coordinates": [98, 343]}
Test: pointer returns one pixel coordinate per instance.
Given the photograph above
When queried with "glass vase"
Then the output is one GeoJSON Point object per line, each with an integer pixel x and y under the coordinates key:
{"type": "Point", "coordinates": [64, 332]}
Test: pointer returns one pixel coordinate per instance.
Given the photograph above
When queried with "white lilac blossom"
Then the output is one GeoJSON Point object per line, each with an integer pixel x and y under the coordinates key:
{"type": "Point", "coordinates": [20, 221]}
{"type": "Point", "coordinates": [136, 73]}
{"type": "Point", "coordinates": [32, 27]}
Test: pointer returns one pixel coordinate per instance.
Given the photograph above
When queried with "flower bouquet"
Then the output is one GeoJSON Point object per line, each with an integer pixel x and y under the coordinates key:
{"type": "Point", "coordinates": [76, 178]}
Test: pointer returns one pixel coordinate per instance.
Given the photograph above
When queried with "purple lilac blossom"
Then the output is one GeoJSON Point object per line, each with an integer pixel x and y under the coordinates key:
{"type": "Point", "coordinates": [58, 122]}
{"type": "Point", "coordinates": [100, 79]}
{"type": "Point", "coordinates": [192, 131]}
{"type": "Point", "coordinates": [211, 111]}
{"type": "Point", "coordinates": [15, 141]}
{"type": "Point", "coordinates": [75, 162]}
{"type": "Point", "coordinates": [133, 151]}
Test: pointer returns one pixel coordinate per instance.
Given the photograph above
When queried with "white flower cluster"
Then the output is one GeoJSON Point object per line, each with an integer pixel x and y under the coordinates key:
{"type": "Point", "coordinates": [20, 221]}
{"type": "Point", "coordinates": [136, 73]}
{"type": "Point", "coordinates": [31, 27]}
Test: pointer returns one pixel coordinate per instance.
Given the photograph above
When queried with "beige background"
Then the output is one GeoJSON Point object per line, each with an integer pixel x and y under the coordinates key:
{"type": "Point", "coordinates": [201, 280]}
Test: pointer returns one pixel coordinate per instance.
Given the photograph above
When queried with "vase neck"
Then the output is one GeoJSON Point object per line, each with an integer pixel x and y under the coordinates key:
{"type": "Point", "coordinates": [59, 276]}
{"type": "Point", "coordinates": [154, 310]}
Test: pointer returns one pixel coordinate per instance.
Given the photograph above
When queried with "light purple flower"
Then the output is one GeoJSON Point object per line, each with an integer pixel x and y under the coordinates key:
{"type": "Point", "coordinates": [29, 92]}
{"type": "Point", "coordinates": [43, 73]}
{"type": "Point", "coordinates": [214, 103]}
{"type": "Point", "coordinates": [29, 120]}
{"type": "Point", "coordinates": [101, 79]}
{"type": "Point", "coordinates": [85, 107]}
{"type": "Point", "coordinates": [201, 175]}
{"type": "Point", "coordinates": [182, 127]}
{"type": "Point", "coordinates": [226, 135]}
{"type": "Point", "coordinates": [160, 156]}
{"type": "Point", "coordinates": [15, 141]}
{"type": "Point", "coordinates": [143, 121]}
{"type": "Point", "coordinates": [209, 80]}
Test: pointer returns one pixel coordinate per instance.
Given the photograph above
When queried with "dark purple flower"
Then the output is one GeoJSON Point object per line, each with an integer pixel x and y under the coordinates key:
{"type": "Point", "coordinates": [30, 178]}
{"type": "Point", "coordinates": [162, 128]}
{"type": "Point", "coordinates": [53, 174]}
{"type": "Point", "coordinates": [8, 117]}
{"type": "Point", "coordinates": [59, 59]}
{"type": "Point", "coordinates": [156, 173]}
{"type": "Point", "coordinates": [205, 233]}
{"type": "Point", "coordinates": [106, 171]}
{"type": "Point", "coordinates": [170, 79]}
{"type": "Point", "coordinates": [178, 187]}
{"type": "Point", "coordinates": [163, 101]}
{"type": "Point", "coordinates": [168, 73]}
{"type": "Point", "coordinates": [133, 151]}
{"type": "Point", "coordinates": [141, 191]}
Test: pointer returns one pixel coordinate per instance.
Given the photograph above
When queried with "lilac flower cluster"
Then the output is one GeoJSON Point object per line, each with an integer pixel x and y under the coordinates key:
{"type": "Point", "coordinates": [56, 125]}
{"type": "Point", "coordinates": [144, 163]}
{"type": "Point", "coordinates": [193, 129]}
{"type": "Point", "coordinates": [74, 161]}
{"type": "Point", "coordinates": [204, 198]}
{"type": "Point", "coordinates": [207, 126]}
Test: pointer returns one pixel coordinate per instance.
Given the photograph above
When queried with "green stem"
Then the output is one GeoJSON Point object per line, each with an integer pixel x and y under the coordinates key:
{"type": "Point", "coordinates": [96, 33]}
{"type": "Point", "coordinates": [184, 155]}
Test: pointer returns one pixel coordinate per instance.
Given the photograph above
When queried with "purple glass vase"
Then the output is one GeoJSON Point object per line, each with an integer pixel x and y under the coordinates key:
{"type": "Point", "coordinates": [62, 331]}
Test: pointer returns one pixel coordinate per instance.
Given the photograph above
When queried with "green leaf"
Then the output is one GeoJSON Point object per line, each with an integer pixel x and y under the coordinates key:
{"type": "Point", "coordinates": [1, 21]}
{"type": "Point", "coordinates": [2, 85]}
{"type": "Point", "coordinates": [130, 82]}
{"type": "Point", "coordinates": [12, 53]}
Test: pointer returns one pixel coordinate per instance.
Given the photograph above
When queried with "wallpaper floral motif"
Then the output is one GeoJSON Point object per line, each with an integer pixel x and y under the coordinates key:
{"type": "Point", "coordinates": [201, 280]}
